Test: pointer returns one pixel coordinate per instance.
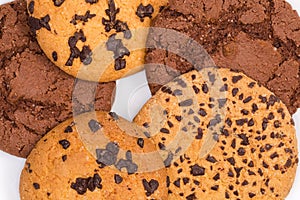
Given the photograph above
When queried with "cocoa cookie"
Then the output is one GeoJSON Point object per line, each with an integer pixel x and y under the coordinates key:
{"type": "Point", "coordinates": [35, 94]}
{"type": "Point", "coordinates": [61, 166]}
{"type": "Point", "coordinates": [258, 38]}
{"type": "Point", "coordinates": [94, 40]}
{"type": "Point", "coordinates": [252, 154]}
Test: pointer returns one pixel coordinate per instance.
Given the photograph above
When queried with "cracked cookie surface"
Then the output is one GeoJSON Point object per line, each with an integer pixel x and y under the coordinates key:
{"type": "Point", "coordinates": [258, 38]}
{"type": "Point", "coordinates": [35, 94]}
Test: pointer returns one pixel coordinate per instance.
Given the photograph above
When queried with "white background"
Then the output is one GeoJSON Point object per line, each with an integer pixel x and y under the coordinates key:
{"type": "Point", "coordinates": [132, 93]}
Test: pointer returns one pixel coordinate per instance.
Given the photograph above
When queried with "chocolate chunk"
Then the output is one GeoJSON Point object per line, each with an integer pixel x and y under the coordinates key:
{"type": "Point", "coordinates": [64, 143]}
{"type": "Point", "coordinates": [127, 163]}
{"type": "Point", "coordinates": [36, 24]}
{"type": "Point", "coordinates": [164, 130]}
{"type": "Point", "coordinates": [116, 117]}
{"type": "Point", "coordinates": [196, 89]}
{"type": "Point", "coordinates": [199, 135]}
{"type": "Point", "coordinates": [144, 11]}
{"type": "Point", "coordinates": [177, 183]}
{"type": "Point", "coordinates": [94, 125]}
{"type": "Point", "coordinates": [235, 79]}
{"type": "Point", "coordinates": [58, 3]}
{"type": "Point", "coordinates": [216, 177]}
{"type": "Point", "coordinates": [197, 170]}
{"type": "Point", "coordinates": [235, 91]}
{"type": "Point", "coordinates": [83, 18]}
{"type": "Point", "coordinates": [241, 122]}
{"type": "Point", "coordinates": [108, 156]}
{"type": "Point", "coordinates": [222, 102]}
{"type": "Point", "coordinates": [118, 179]}
{"type": "Point", "coordinates": [31, 7]}
{"type": "Point", "coordinates": [247, 100]}
{"type": "Point", "coordinates": [91, 1]}
{"type": "Point", "coordinates": [274, 155]}
{"type": "Point", "coordinates": [81, 185]}
{"type": "Point", "coordinates": [150, 186]}
{"type": "Point", "coordinates": [191, 197]}
{"type": "Point", "coordinates": [113, 23]}
{"type": "Point", "coordinates": [202, 112]}
{"type": "Point", "coordinates": [168, 160]}
{"type": "Point", "coordinates": [251, 195]}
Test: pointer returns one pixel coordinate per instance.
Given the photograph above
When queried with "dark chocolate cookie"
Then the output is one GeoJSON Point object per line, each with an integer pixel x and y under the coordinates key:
{"type": "Point", "coordinates": [35, 95]}
{"type": "Point", "coordinates": [258, 38]}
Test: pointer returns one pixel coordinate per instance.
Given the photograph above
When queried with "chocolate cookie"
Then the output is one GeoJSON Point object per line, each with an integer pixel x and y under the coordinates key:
{"type": "Point", "coordinates": [62, 167]}
{"type": "Point", "coordinates": [258, 38]}
{"type": "Point", "coordinates": [35, 94]}
{"type": "Point", "coordinates": [94, 40]}
{"type": "Point", "coordinates": [224, 137]}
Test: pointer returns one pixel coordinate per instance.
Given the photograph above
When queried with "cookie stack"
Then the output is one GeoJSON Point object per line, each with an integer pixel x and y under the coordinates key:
{"type": "Point", "coordinates": [218, 126]}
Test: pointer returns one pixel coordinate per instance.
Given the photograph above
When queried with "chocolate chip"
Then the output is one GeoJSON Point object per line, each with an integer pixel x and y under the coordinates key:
{"type": "Point", "coordinates": [186, 103]}
{"type": "Point", "coordinates": [199, 135]}
{"type": "Point", "coordinates": [127, 164]}
{"type": "Point", "coordinates": [118, 179]}
{"type": "Point", "coordinates": [230, 173]}
{"type": "Point", "coordinates": [205, 88]}
{"type": "Point", "coordinates": [233, 143]}
{"type": "Point", "coordinates": [247, 100]}
{"type": "Point", "coordinates": [235, 79]}
{"type": "Point", "coordinates": [241, 122]}
{"type": "Point", "coordinates": [215, 187]}
{"type": "Point", "coordinates": [197, 170]}
{"type": "Point", "coordinates": [241, 151]}
{"type": "Point", "coordinates": [216, 177]}
{"type": "Point", "coordinates": [64, 143]}
{"type": "Point", "coordinates": [94, 125]}
{"type": "Point", "coordinates": [64, 158]}
{"type": "Point", "coordinates": [68, 129]}
{"type": "Point", "coordinates": [288, 163]}
{"type": "Point", "coordinates": [191, 197]}
{"type": "Point", "coordinates": [224, 88]}
{"type": "Point", "coordinates": [58, 3]}
{"type": "Point", "coordinates": [211, 159]}
{"type": "Point", "coordinates": [144, 11]}
{"type": "Point", "coordinates": [245, 182]}
{"type": "Point", "coordinates": [150, 186]}
{"type": "Point", "coordinates": [31, 7]}
{"type": "Point", "coordinates": [222, 102]}
{"type": "Point", "coordinates": [108, 156]}
{"type": "Point", "coordinates": [177, 183]}
{"type": "Point", "coordinates": [235, 91]}
{"type": "Point", "coordinates": [54, 56]}
{"type": "Point", "coordinates": [196, 89]}
{"type": "Point", "coordinates": [164, 130]}
{"type": "Point", "coordinates": [264, 124]}
{"type": "Point", "coordinates": [140, 142]}
{"type": "Point", "coordinates": [274, 155]}
{"type": "Point", "coordinates": [231, 161]}
{"type": "Point", "coordinates": [178, 118]}
{"type": "Point", "coordinates": [245, 139]}
{"type": "Point", "coordinates": [228, 122]}
{"type": "Point", "coordinates": [113, 23]}
{"type": "Point", "coordinates": [36, 24]}
{"type": "Point", "coordinates": [244, 112]}
{"type": "Point", "coordinates": [277, 124]}
{"type": "Point", "coordinates": [254, 108]}
{"type": "Point", "coordinates": [251, 164]}
{"type": "Point", "coordinates": [83, 18]}
{"type": "Point", "coordinates": [250, 123]}
{"type": "Point", "coordinates": [91, 1]}
{"type": "Point", "coordinates": [36, 186]}
{"type": "Point", "coordinates": [211, 77]}
{"type": "Point", "coordinates": [251, 85]}
{"type": "Point", "coordinates": [81, 185]}
{"type": "Point", "coordinates": [202, 112]}
{"type": "Point", "coordinates": [238, 171]}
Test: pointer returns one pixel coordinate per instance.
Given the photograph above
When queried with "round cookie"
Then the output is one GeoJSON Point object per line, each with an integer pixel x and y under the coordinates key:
{"type": "Point", "coordinates": [93, 40]}
{"type": "Point", "coordinates": [253, 154]}
{"type": "Point", "coordinates": [35, 94]}
{"type": "Point", "coordinates": [258, 38]}
{"type": "Point", "coordinates": [62, 167]}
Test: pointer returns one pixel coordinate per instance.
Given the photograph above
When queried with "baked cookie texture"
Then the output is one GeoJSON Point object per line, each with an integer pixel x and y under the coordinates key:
{"type": "Point", "coordinates": [62, 167]}
{"type": "Point", "coordinates": [93, 40]}
{"type": "Point", "coordinates": [258, 38]}
{"type": "Point", "coordinates": [245, 131]}
{"type": "Point", "coordinates": [35, 95]}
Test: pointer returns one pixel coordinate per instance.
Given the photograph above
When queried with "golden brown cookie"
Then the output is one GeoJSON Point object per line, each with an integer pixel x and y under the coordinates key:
{"type": "Point", "coordinates": [230, 139]}
{"type": "Point", "coordinates": [81, 35]}
{"type": "Point", "coordinates": [64, 164]}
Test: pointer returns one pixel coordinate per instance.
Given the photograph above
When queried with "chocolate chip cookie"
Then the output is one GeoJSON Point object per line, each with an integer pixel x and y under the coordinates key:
{"type": "Point", "coordinates": [238, 143]}
{"type": "Point", "coordinates": [94, 40]}
{"type": "Point", "coordinates": [62, 167]}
